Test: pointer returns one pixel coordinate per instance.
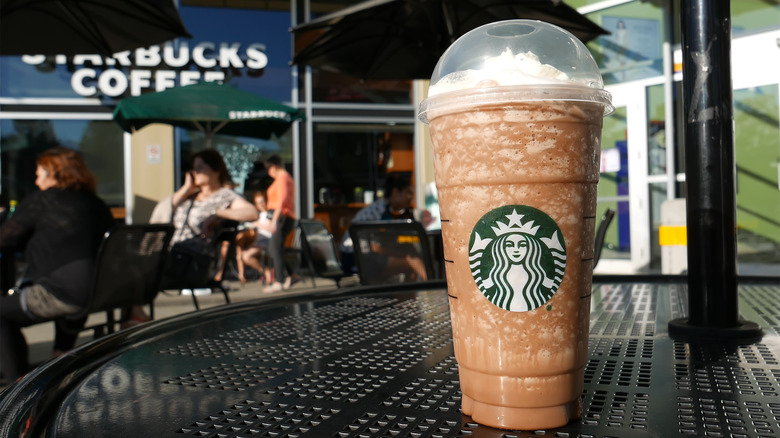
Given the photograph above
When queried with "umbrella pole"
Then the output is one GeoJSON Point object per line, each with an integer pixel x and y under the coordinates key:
{"type": "Point", "coordinates": [205, 131]}
{"type": "Point", "coordinates": [710, 177]}
{"type": "Point", "coordinates": [211, 131]}
{"type": "Point", "coordinates": [448, 20]}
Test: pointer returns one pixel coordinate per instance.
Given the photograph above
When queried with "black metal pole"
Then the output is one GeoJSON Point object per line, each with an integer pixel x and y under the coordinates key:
{"type": "Point", "coordinates": [710, 174]}
{"type": "Point", "coordinates": [710, 164]}
{"type": "Point", "coordinates": [303, 184]}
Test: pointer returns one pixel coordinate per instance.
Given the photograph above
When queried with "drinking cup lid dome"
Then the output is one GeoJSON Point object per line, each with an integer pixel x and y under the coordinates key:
{"type": "Point", "coordinates": [532, 55]}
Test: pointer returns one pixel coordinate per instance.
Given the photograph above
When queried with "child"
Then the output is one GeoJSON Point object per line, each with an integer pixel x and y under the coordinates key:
{"type": "Point", "coordinates": [255, 241]}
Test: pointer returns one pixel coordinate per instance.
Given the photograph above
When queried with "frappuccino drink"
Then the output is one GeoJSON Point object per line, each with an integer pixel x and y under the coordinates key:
{"type": "Point", "coordinates": [515, 112]}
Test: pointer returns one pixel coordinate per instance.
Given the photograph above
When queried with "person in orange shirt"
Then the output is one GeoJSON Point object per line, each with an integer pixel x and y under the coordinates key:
{"type": "Point", "coordinates": [281, 196]}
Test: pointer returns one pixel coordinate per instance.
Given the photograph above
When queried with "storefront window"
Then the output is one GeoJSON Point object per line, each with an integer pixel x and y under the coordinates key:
{"type": "Point", "coordinates": [657, 163]}
{"type": "Point", "coordinates": [613, 186]}
{"type": "Point", "coordinates": [99, 141]}
{"type": "Point", "coordinates": [333, 87]}
{"type": "Point", "coordinates": [656, 131]}
{"type": "Point", "coordinates": [658, 196]}
{"type": "Point", "coordinates": [757, 144]}
{"type": "Point", "coordinates": [243, 156]}
{"type": "Point", "coordinates": [633, 50]}
{"type": "Point", "coordinates": [750, 16]}
{"type": "Point", "coordinates": [580, 3]}
{"type": "Point", "coordinates": [38, 78]}
{"type": "Point", "coordinates": [350, 164]}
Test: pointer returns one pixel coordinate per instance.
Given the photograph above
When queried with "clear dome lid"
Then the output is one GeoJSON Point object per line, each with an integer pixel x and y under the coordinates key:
{"type": "Point", "coordinates": [539, 60]}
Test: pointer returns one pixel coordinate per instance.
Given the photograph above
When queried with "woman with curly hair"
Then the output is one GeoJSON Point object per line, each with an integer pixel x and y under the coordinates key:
{"type": "Point", "coordinates": [59, 228]}
{"type": "Point", "coordinates": [206, 199]}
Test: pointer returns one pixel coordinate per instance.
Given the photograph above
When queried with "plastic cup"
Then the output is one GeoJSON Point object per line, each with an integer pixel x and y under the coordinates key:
{"type": "Point", "coordinates": [516, 144]}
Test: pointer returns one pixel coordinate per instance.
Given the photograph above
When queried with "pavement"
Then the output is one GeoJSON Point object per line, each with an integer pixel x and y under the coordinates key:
{"type": "Point", "coordinates": [40, 337]}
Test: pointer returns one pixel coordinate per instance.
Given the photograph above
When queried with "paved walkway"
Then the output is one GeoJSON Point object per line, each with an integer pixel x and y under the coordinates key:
{"type": "Point", "coordinates": [40, 337]}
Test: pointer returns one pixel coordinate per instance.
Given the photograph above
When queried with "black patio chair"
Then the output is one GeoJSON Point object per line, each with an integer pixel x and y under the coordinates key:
{"type": "Point", "coordinates": [319, 251]}
{"type": "Point", "coordinates": [129, 268]}
{"type": "Point", "coordinates": [225, 231]}
{"type": "Point", "coordinates": [381, 245]}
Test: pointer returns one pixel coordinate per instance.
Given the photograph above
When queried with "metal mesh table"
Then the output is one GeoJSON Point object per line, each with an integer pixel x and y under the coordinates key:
{"type": "Point", "coordinates": [380, 364]}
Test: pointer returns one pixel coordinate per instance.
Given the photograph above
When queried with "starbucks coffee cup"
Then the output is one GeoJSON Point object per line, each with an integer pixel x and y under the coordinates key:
{"type": "Point", "coordinates": [515, 111]}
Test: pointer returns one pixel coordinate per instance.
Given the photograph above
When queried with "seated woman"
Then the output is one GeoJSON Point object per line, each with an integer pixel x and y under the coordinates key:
{"type": "Point", "coordinates": [204, 200]}
{"type": "Point", "coordinates": [60, 229]}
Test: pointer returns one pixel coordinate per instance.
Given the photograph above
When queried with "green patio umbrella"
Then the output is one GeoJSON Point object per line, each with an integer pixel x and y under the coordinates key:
{"type": "Point", "coordinates": [208, 107]}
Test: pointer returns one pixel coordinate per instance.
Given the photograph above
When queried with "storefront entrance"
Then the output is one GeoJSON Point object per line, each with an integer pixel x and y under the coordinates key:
{"type": "Point", "coordinates": [640, 171]}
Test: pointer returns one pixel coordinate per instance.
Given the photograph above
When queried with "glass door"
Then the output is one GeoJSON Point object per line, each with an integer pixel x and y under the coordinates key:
{"type": "Point", "coordinates": [757, 147]}
{"type": "Point", "coordinates": [623, 183]}
{"type": "Point", "coordinates": [755, 63]}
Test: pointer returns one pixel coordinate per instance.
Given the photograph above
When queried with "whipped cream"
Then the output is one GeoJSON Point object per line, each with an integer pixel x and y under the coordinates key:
{"type": "Point", "coordinates": [505, 69]}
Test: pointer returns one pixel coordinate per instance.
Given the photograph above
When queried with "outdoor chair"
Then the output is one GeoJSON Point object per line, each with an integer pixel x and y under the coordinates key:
{"type": "Point", "coordinates": [601, 232]}
{"type": "Point", "coordinates": [129, 268]}
{"type": "Point", "coordinates": [382, 245]}
{"type": "Point", "coordinates": [436, 243]}
{"type": "Point", "coordinates": [319, 250]}
{"type": "Point", "coordinates": [225, 231]}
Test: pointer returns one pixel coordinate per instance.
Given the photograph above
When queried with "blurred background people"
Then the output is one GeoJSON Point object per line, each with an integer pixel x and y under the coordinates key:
{"type": "Point", "coordinates": [253, 241]}
{"type": "Point", "coordinates": [197, 210]}
{"type": "Point", "coordinates": [396, 204]}
{"type": "Point", "coordinates": [205, 198]}
{"type": "Point", "coordinates": [281, 201]}
{"type": "Point", "coordinates": [60, 229]}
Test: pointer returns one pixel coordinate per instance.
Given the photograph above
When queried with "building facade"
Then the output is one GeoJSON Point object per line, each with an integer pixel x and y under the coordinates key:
{"type": "Point", "coordinates": [358, 131]}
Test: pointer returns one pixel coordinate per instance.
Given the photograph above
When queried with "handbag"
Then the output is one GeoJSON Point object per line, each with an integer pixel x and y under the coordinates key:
{"type": "Point", "coordinates": [191, 263]}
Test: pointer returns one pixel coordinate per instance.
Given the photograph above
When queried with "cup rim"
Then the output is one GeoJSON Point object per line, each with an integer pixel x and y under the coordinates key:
{"type": "Point", "coordinates": [453, 101]}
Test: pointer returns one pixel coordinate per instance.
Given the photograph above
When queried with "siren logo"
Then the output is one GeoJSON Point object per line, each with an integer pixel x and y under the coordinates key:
{"type": "Point", "coordinates": [517, 257]}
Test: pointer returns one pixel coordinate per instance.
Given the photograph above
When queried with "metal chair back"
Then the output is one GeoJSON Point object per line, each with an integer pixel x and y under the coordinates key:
{"type": "Point", "coordinates": [382, 245]}
{"type": "Point", "coordinates": [320, 250]}
{"type": "Point", "coordinates": [601, 232]}
{"type": "Point", "coordinates": [129, 268]}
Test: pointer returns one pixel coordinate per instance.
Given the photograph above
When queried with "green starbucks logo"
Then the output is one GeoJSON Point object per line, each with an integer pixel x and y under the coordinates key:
{"type": "Point", "coordinates": [517, 257]}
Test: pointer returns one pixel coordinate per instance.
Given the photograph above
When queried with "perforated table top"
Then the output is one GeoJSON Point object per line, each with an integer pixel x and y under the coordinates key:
{"type": "Point", "coordinates": [382, 365]}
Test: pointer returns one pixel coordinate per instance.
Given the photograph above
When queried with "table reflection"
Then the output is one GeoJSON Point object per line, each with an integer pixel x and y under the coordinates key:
{"type": "Point", "coordinates": [381, 363]}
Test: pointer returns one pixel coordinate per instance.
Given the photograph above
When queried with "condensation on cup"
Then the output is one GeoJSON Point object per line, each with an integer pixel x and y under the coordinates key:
{"type": "Point", "coordinates": [515, 110]}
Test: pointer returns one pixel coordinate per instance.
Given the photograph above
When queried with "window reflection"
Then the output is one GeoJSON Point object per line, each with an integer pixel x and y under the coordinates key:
{"type": "Point", "coordinates": [350, 164]}
{"type": "Point", "coordinates": [749, 16]}
{"type": "Point", "coordinates": [757, 142]}
{"type": "Point", "coordinates": [579, 3]}
{"type": "Point", "coordinates": [334, 87]}
{"type": "Point", "coordinates": [658, 196]}
{"type": "Point", "coordinates": [633, 50]}
{"type": "Point", "coordinates": [243, 156]}
{"type": "Point", "coordinates": [99, 141]}
{"type": "Point", "coordinates": [613, 185]}
{"type": "Point", "coordinates": [656, 131]}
